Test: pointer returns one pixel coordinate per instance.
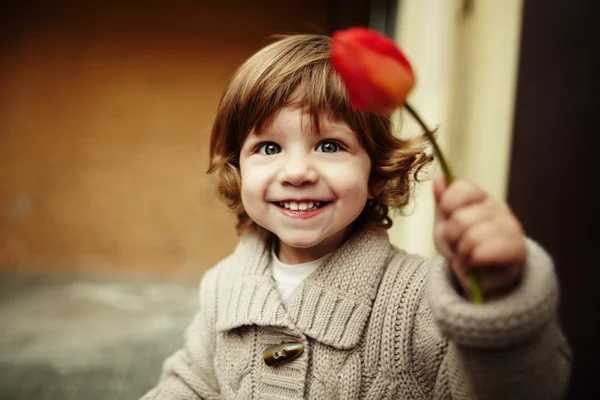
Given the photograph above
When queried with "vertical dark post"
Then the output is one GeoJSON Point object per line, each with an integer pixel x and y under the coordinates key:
{"type": "Point", "coordinates": [554, 176]}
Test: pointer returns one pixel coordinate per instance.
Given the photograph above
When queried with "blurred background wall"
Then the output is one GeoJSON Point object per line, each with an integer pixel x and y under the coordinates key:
{"type": "Point", "coordinates": [106, 110]}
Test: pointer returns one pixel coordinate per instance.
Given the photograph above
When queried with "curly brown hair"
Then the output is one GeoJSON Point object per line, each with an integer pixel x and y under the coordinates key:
{"type": "Point", "coordinates": [295, 71]}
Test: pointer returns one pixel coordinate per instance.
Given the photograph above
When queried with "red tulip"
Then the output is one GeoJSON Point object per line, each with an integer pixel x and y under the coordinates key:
{"type": "Point", "coordinates": [376, 73]}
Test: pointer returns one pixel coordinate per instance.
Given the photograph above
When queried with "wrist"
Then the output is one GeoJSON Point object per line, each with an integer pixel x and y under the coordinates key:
{"type": "Point", "coordinates": [488, 294]}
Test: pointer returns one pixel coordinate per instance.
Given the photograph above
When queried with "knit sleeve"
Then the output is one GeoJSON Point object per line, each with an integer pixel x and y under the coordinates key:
{"type": "Point", "coordinates": [189, 374]}
{"type": "Point", "coordinates": [509, 348]}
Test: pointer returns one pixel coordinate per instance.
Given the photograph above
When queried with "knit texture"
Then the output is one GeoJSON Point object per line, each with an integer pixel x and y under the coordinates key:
{"type": "Point", "coordinates": [376, 323]}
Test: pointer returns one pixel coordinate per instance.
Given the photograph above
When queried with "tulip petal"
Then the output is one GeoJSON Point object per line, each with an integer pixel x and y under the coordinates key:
{"type": "Point", "coordinates": [375, 41]}
{"type": "Point", "coordinates": [375, 80]}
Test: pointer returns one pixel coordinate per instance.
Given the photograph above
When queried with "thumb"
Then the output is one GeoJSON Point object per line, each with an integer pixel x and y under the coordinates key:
{"type": "Point", "coordinates": [439, 186]}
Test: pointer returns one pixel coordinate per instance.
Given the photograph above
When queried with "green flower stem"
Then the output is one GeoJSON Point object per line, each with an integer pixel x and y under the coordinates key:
{"type": "Point", "coordinates": [475, 285]}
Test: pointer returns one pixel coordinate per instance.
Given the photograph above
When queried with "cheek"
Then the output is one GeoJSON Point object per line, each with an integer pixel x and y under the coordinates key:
{"type": "Point", "coordinates": [248, 188]}
{"type": "Point", "coordinates": [350, 179]}
{"type": "Point", "coordinates": [254, 181]}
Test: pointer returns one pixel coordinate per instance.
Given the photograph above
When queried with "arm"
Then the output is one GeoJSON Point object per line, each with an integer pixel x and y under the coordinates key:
{"type": "Point", "coordinates": [510, 348]}
{"type": "Point", "coordinates": [189, 374]}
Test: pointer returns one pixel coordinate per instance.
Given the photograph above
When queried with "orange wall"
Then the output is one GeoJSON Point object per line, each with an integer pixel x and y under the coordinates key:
{"type": "Point", "coordinates": [105, 115]}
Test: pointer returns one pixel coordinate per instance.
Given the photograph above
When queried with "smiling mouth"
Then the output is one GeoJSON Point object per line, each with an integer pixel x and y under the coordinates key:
{"type": "Point", "coordinates": [301, 205]}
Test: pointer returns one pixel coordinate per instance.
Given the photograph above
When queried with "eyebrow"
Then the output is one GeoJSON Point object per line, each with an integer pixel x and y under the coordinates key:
{"type": "Point", "coordinates": [329, 127]}
{"type": "Point", "coordinates": [338, 130]}
{"type": "Point", "coordinates": [339, 127]}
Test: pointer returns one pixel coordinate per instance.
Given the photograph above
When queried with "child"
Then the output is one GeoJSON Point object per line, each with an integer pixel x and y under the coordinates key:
{"type": "Point", "coordinates": [315, 302]}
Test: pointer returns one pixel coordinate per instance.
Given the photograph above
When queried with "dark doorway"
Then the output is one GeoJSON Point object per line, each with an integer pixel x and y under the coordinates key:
{"type": "Point", "coordinates": [554, 176]}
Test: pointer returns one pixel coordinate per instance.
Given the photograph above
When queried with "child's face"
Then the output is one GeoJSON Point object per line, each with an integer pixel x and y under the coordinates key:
{"type": "Point", "coordinates": [304, 187]}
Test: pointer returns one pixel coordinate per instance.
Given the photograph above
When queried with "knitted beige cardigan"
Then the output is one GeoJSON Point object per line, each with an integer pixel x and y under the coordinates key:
{"type": "Point", "coordinates": [376, 323]}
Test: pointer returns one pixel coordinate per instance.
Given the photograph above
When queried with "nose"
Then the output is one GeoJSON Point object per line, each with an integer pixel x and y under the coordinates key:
{"type": "Point", "coordinates": [297, 171]}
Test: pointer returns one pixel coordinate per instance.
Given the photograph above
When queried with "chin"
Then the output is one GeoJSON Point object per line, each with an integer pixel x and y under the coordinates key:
{"type": "Point", "coordinates": [300, 242]}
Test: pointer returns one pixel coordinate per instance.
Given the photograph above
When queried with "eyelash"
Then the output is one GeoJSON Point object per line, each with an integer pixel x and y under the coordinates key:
{"type": "Point", "coordinates": [341, 147]}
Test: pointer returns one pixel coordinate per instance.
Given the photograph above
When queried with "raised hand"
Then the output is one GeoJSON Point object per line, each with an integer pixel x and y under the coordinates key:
{"type": "Point", "coordinates": [474, 231]}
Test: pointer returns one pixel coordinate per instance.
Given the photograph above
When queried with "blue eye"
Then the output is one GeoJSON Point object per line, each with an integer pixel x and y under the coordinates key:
{"type": "Point", "coordinates": [329, 146]}
{"type": "Point", "coordinates": [269, 148]}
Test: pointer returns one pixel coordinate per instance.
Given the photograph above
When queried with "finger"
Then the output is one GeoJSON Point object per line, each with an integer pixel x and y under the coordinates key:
{"type": "Point", "coordinates": [439, 228]}
{"type": "Point", "coordinates": [493, 280]}
{"type": "Point", "coordinates": [472, 237]}
{"type": "Point", "coordinates": [460, 194]}
{"type": "Point", "coordinates": [506, 250]}
{"type": "Point", "coordinates": [441, 244]}
{"type": "Point", "coordinates": [439, 186]}
{"type": "Point", "coordinates": [443, 248]}
{"type": "Point", "coordinates": [439, 216]}
{"type": "Point", "coordinates": [463, 218]}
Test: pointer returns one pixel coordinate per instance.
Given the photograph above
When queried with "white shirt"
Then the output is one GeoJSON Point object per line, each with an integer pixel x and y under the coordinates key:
{"type": "Point", "coordinates": [288, 276]}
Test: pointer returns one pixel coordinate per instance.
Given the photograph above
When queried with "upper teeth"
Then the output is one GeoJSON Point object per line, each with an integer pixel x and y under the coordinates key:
{"type": "Point", "coordinates": [302, 206]}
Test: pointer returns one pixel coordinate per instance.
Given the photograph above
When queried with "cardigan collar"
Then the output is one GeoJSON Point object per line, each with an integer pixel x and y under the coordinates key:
{"type": "Point", "coordinates": [332, 305]}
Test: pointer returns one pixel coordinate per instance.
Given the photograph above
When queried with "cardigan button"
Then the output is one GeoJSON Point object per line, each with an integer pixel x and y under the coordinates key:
{"type": "Point", "coordinates": [282, 353]}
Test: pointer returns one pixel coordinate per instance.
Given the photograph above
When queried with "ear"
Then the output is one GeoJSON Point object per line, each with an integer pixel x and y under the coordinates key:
{"type": "Point", "coordinates": [375, 189]}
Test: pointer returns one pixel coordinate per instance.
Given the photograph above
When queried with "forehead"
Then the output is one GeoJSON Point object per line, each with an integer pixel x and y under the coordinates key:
{"type": "Point", "coordinates": [311, 123]}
